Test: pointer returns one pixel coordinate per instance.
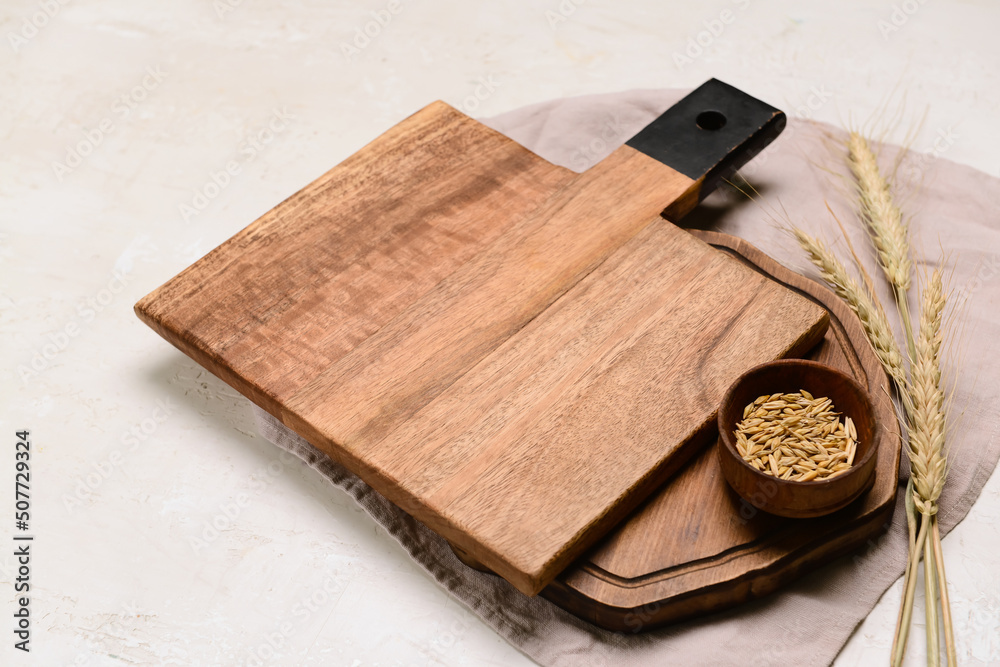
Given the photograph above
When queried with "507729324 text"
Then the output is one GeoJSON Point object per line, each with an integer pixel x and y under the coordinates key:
{"type": "Point", "coordinates": [22, 541]}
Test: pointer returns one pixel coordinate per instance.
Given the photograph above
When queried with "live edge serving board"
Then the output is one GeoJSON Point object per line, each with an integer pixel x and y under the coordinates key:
{"type": "Point", "coordinates": [515, 354]}
{"type": "Point", "coordinates": [695, 546]}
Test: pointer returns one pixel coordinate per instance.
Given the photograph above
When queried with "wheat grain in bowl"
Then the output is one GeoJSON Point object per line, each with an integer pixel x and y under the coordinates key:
{"type": "Point", "coordinates": [796, 436]}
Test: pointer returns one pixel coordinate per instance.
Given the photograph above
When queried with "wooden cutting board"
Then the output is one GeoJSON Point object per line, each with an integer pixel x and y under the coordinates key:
{"type": "Point", "coordinates": [695, 546]}
{"type": "Point", "coordinates": [514, 353]}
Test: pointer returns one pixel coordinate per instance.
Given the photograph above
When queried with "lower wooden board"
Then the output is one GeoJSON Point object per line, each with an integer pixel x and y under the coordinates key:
{"type": "Point", "coordinates": [695, 546]}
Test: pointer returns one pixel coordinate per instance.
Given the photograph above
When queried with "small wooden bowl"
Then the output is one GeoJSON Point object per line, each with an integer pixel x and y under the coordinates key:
{"type": "Point", "coordinates": [785, 497]}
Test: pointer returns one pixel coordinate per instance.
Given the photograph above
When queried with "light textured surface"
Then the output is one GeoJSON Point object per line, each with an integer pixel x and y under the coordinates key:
{"type": "Point", "coordinates": [118, 578]}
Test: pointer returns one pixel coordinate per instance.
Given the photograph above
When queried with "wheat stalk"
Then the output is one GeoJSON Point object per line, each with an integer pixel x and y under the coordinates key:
{"type": "Point", "coordinates": [921, 393]}
{"type": "Point", "coordinates": [861, 301]}
{"type": "Point", "coordinates": [928, 461]}
{"type": "Point", "coordinates": [928, 468]}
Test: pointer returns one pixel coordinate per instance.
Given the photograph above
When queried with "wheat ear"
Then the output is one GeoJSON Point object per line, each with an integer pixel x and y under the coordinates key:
{"type": "Point", "coordinates": [864, 305]}
{"type": "Point", "coordinates": [879, 212]}
{"type": "Point", "coordinates": [884, 222]}
{"type": "Point", "coordinates": [927, 422]}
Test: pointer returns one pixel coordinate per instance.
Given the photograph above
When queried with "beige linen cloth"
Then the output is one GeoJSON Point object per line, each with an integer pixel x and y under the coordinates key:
{"type": "Point", "coordinates": [951, 206]}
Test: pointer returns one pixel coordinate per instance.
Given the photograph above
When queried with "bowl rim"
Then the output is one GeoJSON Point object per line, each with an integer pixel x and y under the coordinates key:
{"type": "Point", "coordinates": [728, 441]}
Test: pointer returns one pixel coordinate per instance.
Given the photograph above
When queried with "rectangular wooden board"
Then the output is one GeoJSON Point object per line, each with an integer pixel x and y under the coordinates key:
{"type": "Point", "coordinates": [513, 353]}
{"type": "Point", "coordinates": [695, 546]}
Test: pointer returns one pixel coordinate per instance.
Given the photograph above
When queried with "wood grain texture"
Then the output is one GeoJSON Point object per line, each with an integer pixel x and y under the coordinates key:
{"type": "Point", "coordinates": [403, 366]}
{"type": "Point", "coordinates": [695, 546]}
{"type": "Point", "coordinates": [283, 299]}
{"type": "Point", "coordinates": [513, 353]}
{"type": "Point", "coordinates": [529, 454]}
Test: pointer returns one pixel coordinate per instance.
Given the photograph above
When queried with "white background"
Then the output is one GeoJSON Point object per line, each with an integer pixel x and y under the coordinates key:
{"type": "Point", "coordinates": [117, 579]}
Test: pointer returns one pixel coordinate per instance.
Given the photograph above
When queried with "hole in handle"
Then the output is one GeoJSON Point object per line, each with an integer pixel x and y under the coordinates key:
{"type": "Point", "coordinates": [710, 120]}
